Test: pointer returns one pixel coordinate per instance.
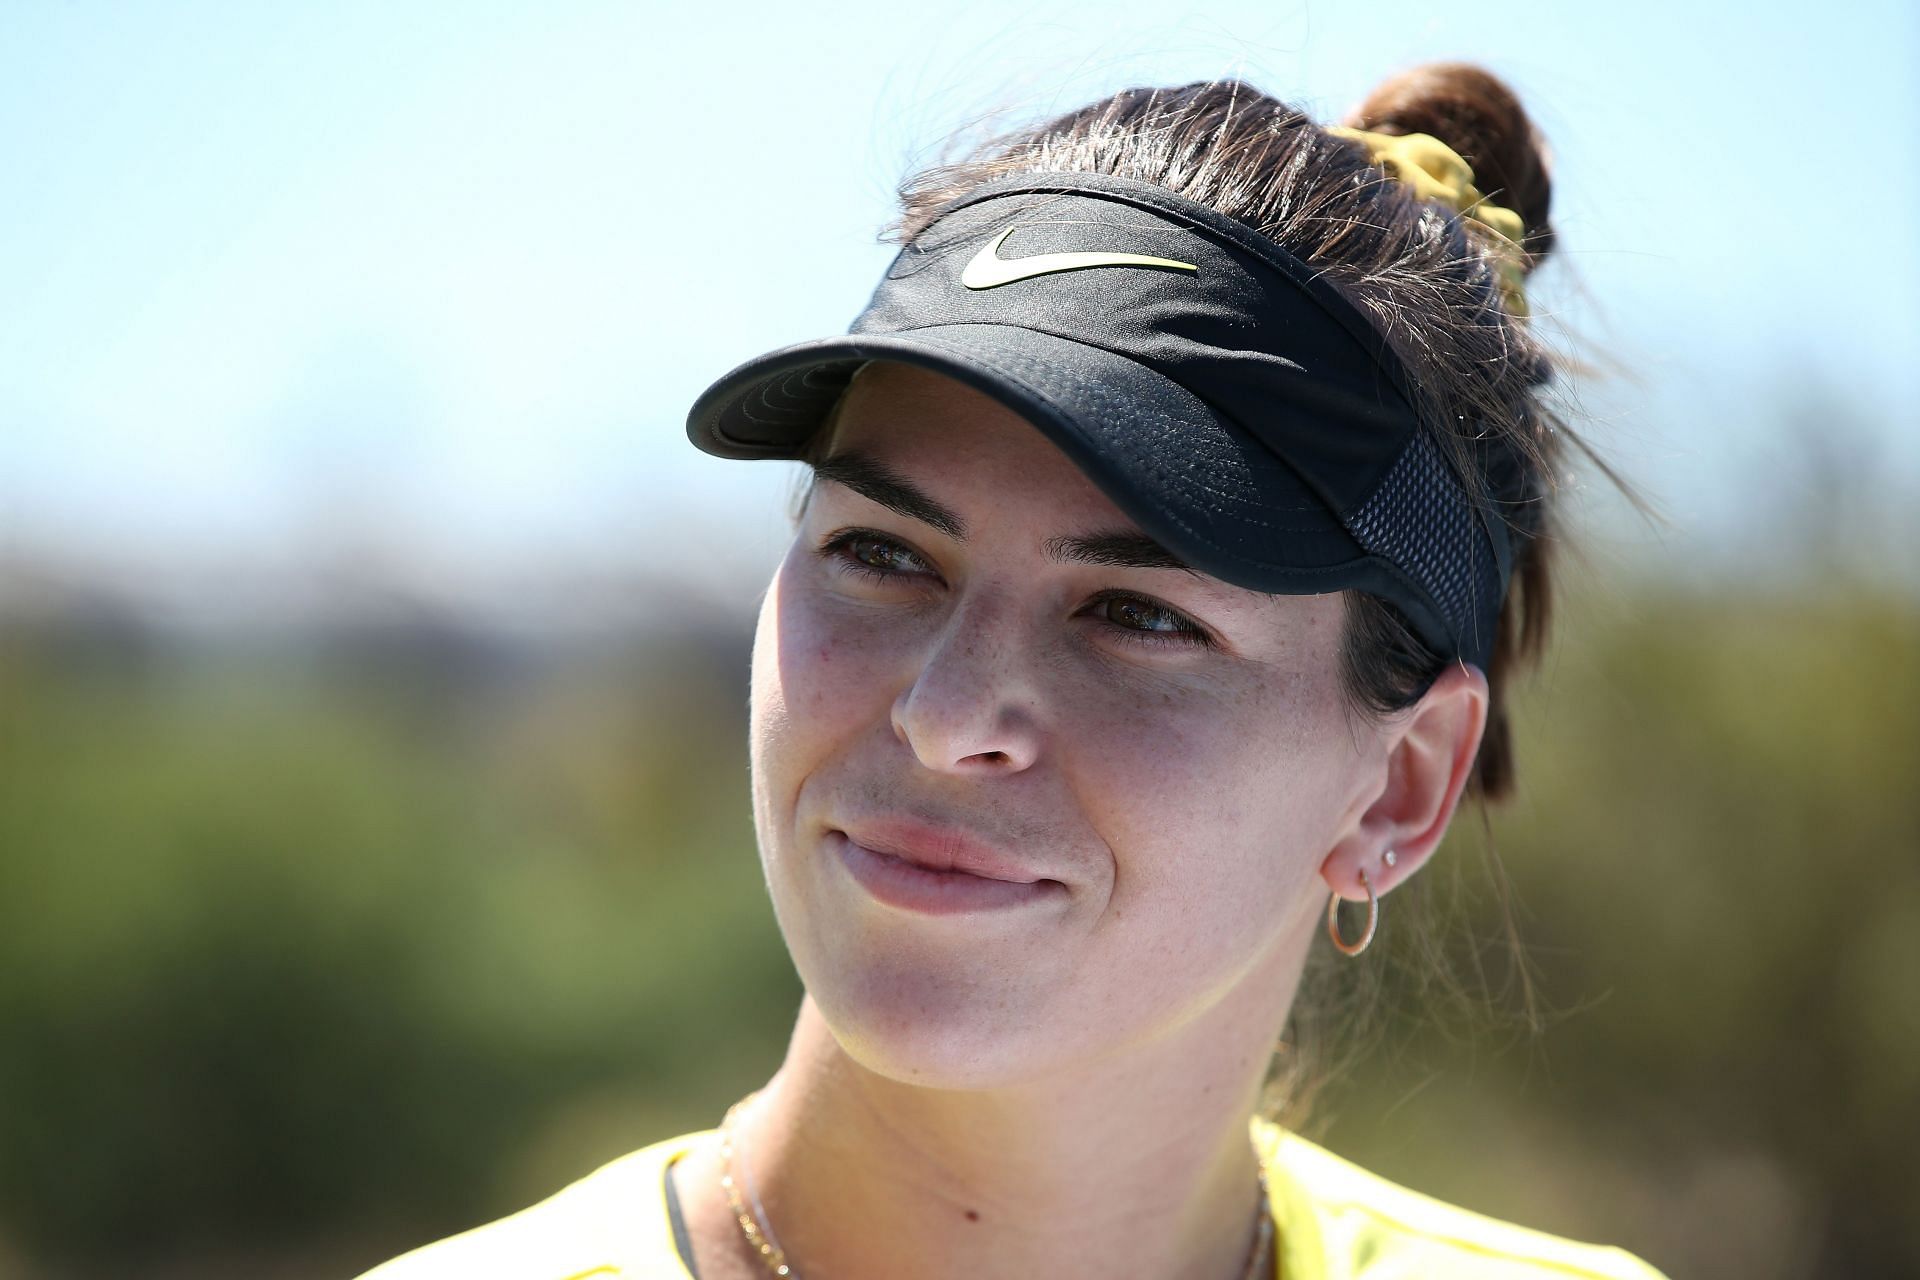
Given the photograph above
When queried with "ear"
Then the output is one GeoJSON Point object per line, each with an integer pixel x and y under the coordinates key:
{"type": "Point", "coordinates": [1430, 751]}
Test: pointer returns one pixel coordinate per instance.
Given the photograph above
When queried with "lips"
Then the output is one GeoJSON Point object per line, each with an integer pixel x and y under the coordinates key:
{"type": "Point", "coordinates": [940, 848]}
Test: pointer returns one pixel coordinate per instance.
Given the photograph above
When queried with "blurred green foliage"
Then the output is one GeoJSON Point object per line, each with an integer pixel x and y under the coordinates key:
{"type": "Point", "coordinates": [1716, 854]}
{"type": "Point", "coordinates": [312, 952]}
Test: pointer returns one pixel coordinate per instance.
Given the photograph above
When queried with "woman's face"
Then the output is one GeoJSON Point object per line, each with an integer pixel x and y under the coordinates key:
{"type": "Point", "coordinates": [969, 652]}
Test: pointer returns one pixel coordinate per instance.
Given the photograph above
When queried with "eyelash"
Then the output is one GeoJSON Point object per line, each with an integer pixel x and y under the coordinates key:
{"type": "Point", "coordinates": [838, 548]}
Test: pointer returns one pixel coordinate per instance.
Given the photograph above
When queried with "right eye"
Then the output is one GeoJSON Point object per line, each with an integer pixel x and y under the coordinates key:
{"type": "Point", "coordinates": [867, 554]}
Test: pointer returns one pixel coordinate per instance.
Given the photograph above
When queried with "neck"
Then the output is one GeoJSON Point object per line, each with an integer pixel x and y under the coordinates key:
{"type": "Point", "coordinates": [1140, 1167]}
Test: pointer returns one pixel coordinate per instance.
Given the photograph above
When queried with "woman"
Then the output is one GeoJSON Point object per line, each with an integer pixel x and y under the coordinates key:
{"type": "Point", "coordinates": [1150, 597]}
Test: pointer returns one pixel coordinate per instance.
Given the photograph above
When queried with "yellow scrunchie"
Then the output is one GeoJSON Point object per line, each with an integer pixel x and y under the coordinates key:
{"type": "Point", "coordinates": [1436, 171]}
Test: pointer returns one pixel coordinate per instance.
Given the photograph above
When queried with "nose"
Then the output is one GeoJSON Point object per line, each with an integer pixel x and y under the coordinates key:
{"type": "Point", "coordinates": [972, 707]}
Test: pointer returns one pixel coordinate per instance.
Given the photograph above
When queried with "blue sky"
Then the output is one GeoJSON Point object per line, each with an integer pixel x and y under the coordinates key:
{"type": "Point", "coordinates": [436, 283]}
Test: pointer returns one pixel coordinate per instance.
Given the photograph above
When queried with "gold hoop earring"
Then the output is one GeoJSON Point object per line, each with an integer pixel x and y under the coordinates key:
{"type": "Point", "coordinates": [1373, 918]}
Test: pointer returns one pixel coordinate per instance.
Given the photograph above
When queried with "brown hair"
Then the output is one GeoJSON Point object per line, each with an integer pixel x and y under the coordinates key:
{"type": "Point", "coordinates": [1426, 279]}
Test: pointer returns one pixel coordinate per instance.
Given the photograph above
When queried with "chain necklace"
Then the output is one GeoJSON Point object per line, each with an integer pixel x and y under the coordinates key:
{"type": "Point", "coordinates": [760, 1238]}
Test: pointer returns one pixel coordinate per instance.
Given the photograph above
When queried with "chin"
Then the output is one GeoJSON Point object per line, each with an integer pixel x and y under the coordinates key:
{"type": "Point", "coordinates": [940, 1003]}
{"type": "Point", "coordinates": [937, 1031]}
{"type": "Point", "coordinates": [935, 1053]}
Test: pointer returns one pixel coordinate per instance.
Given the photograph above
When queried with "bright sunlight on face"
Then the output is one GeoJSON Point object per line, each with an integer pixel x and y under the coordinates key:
{"type": "Point", "coordinates": [1028, 792]}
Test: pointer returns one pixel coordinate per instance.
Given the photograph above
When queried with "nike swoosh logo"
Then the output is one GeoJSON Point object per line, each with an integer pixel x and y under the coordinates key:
{"type": "Point", "coordinates": [989, 270]}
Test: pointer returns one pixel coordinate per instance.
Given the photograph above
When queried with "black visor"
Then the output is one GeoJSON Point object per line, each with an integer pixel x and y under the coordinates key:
{"type": "Point", "coordinates": [1233, 404]}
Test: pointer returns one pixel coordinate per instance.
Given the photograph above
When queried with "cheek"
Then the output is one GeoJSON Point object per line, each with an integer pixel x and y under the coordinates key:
{"type": "Point", "coordinates": [1214, 799]}
{"type": "Point", "coordinates": [818, 680]}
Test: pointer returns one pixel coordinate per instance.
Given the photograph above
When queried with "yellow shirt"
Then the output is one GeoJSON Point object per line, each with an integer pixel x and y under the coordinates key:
{"type": "Point", "coordinates": [1334, 1221]}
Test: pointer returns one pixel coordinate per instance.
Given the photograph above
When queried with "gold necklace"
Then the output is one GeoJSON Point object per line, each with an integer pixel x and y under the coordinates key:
{"type": "Point", "coordinates": [760, 1239]}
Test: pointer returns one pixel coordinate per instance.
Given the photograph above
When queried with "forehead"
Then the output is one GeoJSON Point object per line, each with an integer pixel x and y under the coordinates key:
{"type": "Point", "coordinates": [958, 440]}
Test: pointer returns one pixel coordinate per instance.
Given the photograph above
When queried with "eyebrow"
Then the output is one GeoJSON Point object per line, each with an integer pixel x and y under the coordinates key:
{"type": "Point", "coordinates": [877, 482]}
{"type": "Point", "coordinates": [881, 484]}
{"type": "Point", "coordinates": [1122, 549]}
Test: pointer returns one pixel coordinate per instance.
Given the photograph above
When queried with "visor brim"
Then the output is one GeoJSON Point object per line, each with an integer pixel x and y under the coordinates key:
{"type": "Point", "coordinates": [1201, 485]}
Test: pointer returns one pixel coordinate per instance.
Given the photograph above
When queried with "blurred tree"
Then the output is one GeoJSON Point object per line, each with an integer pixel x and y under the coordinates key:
{"type": "Point", "coordinates": [311, 951]}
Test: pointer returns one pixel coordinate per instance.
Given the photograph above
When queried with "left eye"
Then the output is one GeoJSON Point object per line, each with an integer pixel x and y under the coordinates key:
{"type": "Point", "coordinates": [1132, 613]}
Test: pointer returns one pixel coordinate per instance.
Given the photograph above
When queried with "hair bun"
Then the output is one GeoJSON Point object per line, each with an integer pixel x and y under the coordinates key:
{"type": "Point", "coordinates": [1474, 112]}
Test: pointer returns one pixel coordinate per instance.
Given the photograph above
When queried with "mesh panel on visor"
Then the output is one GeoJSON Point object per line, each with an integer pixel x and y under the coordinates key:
{"type": "Point", "coordinates": [1418, 519]}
